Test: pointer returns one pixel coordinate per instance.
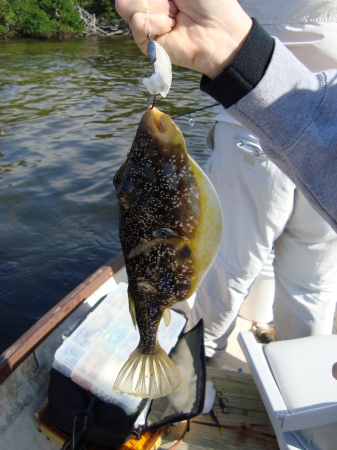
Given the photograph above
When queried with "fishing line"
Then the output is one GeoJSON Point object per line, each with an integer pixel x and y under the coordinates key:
{"type": "Point", "coordinates": [188, 113]}
{"type": "Point", "coordinates": [147, 23]}
{"type": "Point", "coordinates": [151, 50]}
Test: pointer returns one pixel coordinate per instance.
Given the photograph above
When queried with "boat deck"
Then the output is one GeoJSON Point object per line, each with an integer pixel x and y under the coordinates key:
{"type": "Point", "coordinates": [245, 426]}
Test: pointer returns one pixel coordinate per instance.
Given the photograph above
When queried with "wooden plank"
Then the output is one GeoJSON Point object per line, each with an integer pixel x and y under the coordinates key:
{"type": "Point", "coordinates": [205, 438]}
{"type": "Point", "coordinates": [245, 426]}
{"type": "Point", "coordinates": [27, 343]}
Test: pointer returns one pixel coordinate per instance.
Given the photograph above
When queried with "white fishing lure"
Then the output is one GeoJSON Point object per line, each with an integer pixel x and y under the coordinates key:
{"type": "Point", "coordinates": [161, 80]}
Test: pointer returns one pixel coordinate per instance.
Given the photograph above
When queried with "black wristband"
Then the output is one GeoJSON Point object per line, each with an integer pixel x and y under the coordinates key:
{"type": "Point", "coordinates": [247, 69]}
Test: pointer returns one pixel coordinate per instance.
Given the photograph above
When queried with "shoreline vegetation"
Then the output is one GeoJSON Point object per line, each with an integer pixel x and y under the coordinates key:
{"type": "Point", "coordinates": [59, 19]}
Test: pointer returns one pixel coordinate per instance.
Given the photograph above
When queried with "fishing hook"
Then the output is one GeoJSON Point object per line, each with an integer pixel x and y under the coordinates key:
{"type": "Point", "coordinates": [151, 49]}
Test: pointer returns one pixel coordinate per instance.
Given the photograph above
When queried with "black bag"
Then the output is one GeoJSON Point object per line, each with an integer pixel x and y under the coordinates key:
{"type": "Point", "coordinates": [86, 418]}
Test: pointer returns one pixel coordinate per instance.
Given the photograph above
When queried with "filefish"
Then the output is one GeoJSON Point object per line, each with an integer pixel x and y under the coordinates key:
{"type": "Point", "coordinates": [170, 229]}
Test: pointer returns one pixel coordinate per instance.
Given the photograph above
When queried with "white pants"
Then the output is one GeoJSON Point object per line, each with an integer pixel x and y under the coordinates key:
{"type": "Point", "coordinates": [262, 209]}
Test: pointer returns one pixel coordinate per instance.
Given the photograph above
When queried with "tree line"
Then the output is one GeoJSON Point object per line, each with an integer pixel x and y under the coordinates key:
{"type": "Point", "coordinates": [49, 18]}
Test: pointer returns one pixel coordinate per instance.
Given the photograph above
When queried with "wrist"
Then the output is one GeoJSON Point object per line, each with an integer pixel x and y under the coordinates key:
{"type": "Point", "coordinates": [221, 55]}
{"type": "Point", "coordinates": [246, 70]}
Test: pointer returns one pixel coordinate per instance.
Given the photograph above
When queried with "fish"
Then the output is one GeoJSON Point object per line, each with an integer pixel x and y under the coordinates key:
{"type": "Point", "coordinates": [170, 227]}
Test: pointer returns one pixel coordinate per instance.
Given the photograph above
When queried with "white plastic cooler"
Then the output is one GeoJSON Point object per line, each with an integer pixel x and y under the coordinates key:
{"type": "Point", "coordinates": [96, 351]}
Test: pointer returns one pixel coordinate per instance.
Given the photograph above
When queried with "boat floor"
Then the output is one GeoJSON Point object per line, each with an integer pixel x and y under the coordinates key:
{"type": "Point", "coordinates": [244, 425]}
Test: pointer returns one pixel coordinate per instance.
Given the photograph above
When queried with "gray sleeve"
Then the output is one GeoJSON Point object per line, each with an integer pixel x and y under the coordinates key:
{"type": "Point", "coordinates": [294, 114]}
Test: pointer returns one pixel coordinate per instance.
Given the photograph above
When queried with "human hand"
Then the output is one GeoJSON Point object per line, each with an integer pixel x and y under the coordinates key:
{"type": "Point", "coordinates": [202, 35]}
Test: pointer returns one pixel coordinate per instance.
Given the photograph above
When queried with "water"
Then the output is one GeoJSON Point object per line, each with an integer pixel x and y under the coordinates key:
{"type": "Point", "coordinates": [68, 114]}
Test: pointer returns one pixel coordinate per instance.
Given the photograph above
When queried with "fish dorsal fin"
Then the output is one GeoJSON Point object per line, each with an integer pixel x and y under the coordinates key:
{"type": "Point", "coordinates": [167, 316]}
{"type": "Point", "coordinates": [132, 310]}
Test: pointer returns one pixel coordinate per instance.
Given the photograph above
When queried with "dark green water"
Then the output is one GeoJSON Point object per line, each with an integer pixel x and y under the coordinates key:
{"type": "Point", "coordinates": [68, 114]}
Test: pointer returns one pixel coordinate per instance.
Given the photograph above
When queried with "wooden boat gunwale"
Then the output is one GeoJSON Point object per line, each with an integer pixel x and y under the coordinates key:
{"type": "Point", "coordinates": [34, 336]}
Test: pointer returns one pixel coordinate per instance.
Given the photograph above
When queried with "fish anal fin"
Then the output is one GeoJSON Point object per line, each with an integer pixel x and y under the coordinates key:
{"type": "Point", "coordinates": [132, 310]}
{"type": "Point", "coordinates": [167, 317]}
{"type": "Point", "coordinates": [148, 376]}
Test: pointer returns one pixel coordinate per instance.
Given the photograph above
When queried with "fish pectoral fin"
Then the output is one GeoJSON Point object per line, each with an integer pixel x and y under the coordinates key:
{"type": "Point", "coordinates": [148, 376]}
{"type": "Point", "coordinates": [167, 317]}
{"type": "Point", "coordinates": [132, 309]}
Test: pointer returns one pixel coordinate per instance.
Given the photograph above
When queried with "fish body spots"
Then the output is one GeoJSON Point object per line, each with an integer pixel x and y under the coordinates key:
{"type": "Point", "coordinates": [159, 213]}
{"type": "Point", "coordinates": [170, 230]}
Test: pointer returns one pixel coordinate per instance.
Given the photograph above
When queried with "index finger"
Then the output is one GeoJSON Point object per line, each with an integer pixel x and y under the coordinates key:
{"type": "Point", "coordinates": [127, 8]}
{"type": "Point", "coordinates": [159, 24]}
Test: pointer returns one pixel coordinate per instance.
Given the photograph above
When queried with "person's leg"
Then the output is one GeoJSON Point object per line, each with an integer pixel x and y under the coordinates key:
{"type": "Point", "coordinates": [257, 201]}
{"type": "Point", "coordinates": [305, 274]}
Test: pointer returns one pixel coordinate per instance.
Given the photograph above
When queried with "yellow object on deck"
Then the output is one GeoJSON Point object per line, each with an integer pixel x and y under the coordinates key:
{"type": "Point", "coordinates": [150, 440]}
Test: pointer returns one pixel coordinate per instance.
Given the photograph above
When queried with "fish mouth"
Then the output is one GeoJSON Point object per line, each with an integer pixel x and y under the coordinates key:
{"type": "Point", "coordinates": [161, 125]}
{"type": "Point", "coordinates": [160, 120]}
{"type": "Point", "coordinates": [162, 128]}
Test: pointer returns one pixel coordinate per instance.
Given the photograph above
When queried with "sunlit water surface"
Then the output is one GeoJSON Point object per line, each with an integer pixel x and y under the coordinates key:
{"type": "Point", "coordinates": [68, 114]}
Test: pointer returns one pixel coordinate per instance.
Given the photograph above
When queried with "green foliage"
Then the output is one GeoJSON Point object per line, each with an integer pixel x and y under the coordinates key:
{"type": "Point", "coordinates": [31, 20]}
{"type": "Point", "coordinates": [102, 8]}
{"type": "Point", "coordinates": [2, 15]}
{"type": "Point", "coordinates": [4, 32]}
{"type": "Point", "coordinates": [3, 29]}
{"type": "Point", "coordinates": [39, 18]}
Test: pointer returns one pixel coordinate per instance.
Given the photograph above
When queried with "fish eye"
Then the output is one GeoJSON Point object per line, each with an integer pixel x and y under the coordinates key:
{"type": "Point", "coordinates": [127, 194]}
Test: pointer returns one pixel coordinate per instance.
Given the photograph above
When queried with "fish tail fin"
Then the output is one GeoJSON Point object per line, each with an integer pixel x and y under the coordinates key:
{"type": "Point", "coordinates": [148, 376]}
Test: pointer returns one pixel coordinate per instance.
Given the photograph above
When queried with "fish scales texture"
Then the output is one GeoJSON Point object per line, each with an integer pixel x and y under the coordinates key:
{"type": "Point", "coordinates": [167, 206]}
